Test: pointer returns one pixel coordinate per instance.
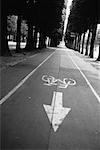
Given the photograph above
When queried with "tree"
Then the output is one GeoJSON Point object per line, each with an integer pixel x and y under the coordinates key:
{"type": "Point", "coordinates": [11, 25]}
{"type": "Point", "coordinates": [82, 17]}
{"type": "Point", "coordinates": [18, 38]}
{"type": "Point", "coordinates": [9, 8]}
{"type": "Point", "coordinates": [4, 43]}
{"type": "Point", "coordinates": [98, 42]}
{"type": "Point", "coordinates": [24, 30]}
{"type": "Point", "coordinates": [98, 59]}
{"type": "Point", "coordinates": [87, 42]}
{"type": "Point", "coordinates": [94, 28]}
{"type": "Point", "coordinates": [45, 15]}
{"type": "Point", "coordinates": [83, 40]}
{"type": "Point", "coordinates": [29, 42]}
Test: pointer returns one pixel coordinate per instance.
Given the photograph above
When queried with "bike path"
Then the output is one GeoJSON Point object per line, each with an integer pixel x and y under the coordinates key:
{"type": "Point", "coordinates": [25, 124]}
{"type": "Point", "coordinates": [24, 121]}
{"type": "Point", "coordinates": [81, 127]}
{"type": "Point", "coordinates": [13, 74]}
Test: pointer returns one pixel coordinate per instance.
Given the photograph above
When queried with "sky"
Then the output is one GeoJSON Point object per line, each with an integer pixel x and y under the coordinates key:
{"type": "Point", "coordinates": [68, 3]}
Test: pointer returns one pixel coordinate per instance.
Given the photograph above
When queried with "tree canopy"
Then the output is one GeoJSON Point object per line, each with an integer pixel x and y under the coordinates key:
{"type": "Point", "coordinates": [83, 14]}
{"type": "Point", "coordinates": [45, 15]}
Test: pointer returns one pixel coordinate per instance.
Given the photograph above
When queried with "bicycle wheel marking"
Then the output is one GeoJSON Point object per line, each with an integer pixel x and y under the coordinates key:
{"type": "Point", "coordinates": [51, 81]}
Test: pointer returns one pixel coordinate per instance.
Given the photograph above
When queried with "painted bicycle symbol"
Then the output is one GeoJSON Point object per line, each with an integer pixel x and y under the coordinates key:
{"type": "Point", "coordinates": [50, 80]}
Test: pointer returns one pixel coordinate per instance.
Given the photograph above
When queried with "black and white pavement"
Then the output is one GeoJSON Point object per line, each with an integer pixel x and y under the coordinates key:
{"type": "Point", "coordinates": [50, 102]}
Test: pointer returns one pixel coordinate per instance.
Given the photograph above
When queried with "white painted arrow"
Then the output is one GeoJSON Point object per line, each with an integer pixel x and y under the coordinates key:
{"type": "Point", "coordinates": [56, 112]}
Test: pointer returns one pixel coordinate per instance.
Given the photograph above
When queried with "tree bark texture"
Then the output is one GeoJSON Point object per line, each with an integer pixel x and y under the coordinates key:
{"type": "Point", "coordinates": [35, 38]}
{"type": "Point", "coordinates": [87, 42]}
{"type": "Point", "coordinates": [29, 44]}
{"type": "Point", "coordinates": [75, 42]}
{"type": "Point", "coordinates": [18, 38]}
{"type": "Point", "coordinates": [4, 42]}
{"type": "Point", "coordinates": [98, 59]}
{"type": "Point", "coordinates": [42, 40]}
{"type": "Point", "coordinates": [79, 39]}
{"type": "Point", "coordinates": [83, 43]}
{"type": "Point", "coordinates": [94, 28]}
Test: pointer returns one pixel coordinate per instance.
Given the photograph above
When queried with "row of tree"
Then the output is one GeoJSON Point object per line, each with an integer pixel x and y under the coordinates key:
{"type": "Point", "coordinates": [84, 18]}
{"type": "Point", "coordinates": [12, 28]}
{"type": "Point", "coordinates": [43, 16]}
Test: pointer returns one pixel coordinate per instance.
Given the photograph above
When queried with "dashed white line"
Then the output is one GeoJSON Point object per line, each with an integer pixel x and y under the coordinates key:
{"type": "Point", "coordinates": [92, 89]}
{"type": "Point", "coordinates": [23, 81]}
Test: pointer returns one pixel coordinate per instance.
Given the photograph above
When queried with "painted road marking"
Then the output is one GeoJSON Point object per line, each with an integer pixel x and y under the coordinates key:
{"type": "Point", "coordinates": [23, 81]}
{"type": "Point", "coordinates": [89, 84]}
{"type": "Point", "coordinates": [56, 112]}
{"type": "Point", "coordinates": [50, 80]}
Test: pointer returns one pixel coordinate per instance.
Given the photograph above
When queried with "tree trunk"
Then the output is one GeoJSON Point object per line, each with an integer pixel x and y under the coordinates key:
{"type": "Point", "coordinates": [87, 42]}
{"type": "Point", "coordinates": [75, 42]}
{"type": "Point", "coordinates": [9, 36]}
{"type": "Point", "coordinates": [4, 42]}
{"type": "Point", "coordinates": [79, 39]}
{"type": "Point", "coordinates": [14, 37]}
{"type": "Point", "coordinates": [22, 38]}
{"type": "Point", "coordinates": [98, 59]}
{"type": "Point", "coordinates": [18, 38]}
{"type": "Point", "coordinates": [51, 42]}
{"type": "Point", "coordinates": [35, 38]}
{"type": "Point", "coordinates": [29, 44]}
{"type": "Point", "coordinates": [94, 28]}
{"type": "Point", "coordinates": [83, 43]}
{"type": "Point", "coordinates": [42, 40]}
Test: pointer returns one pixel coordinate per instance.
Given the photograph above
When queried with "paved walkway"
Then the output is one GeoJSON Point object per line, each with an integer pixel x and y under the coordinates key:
{"type": "Point", "coordinates": [51, 102]}
{"type": "Point", "coordinates": [16, 58]}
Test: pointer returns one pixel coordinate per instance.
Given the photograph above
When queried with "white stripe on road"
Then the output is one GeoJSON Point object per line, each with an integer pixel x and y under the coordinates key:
{"type": "Point", "coordinates": [94, 92]}
{"type": "Point", "coordinates": [23, 81]}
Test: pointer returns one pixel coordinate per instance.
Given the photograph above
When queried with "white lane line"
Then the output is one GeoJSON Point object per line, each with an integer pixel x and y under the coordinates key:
{"type": "Point", "coordinates": [94, 92]}
{"type": "Point", "coordinates": [23, 81]}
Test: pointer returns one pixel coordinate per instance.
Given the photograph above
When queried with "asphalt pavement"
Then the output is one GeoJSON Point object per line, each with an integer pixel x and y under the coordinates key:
{"type": "Point", "coordinates": [51, 102]}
